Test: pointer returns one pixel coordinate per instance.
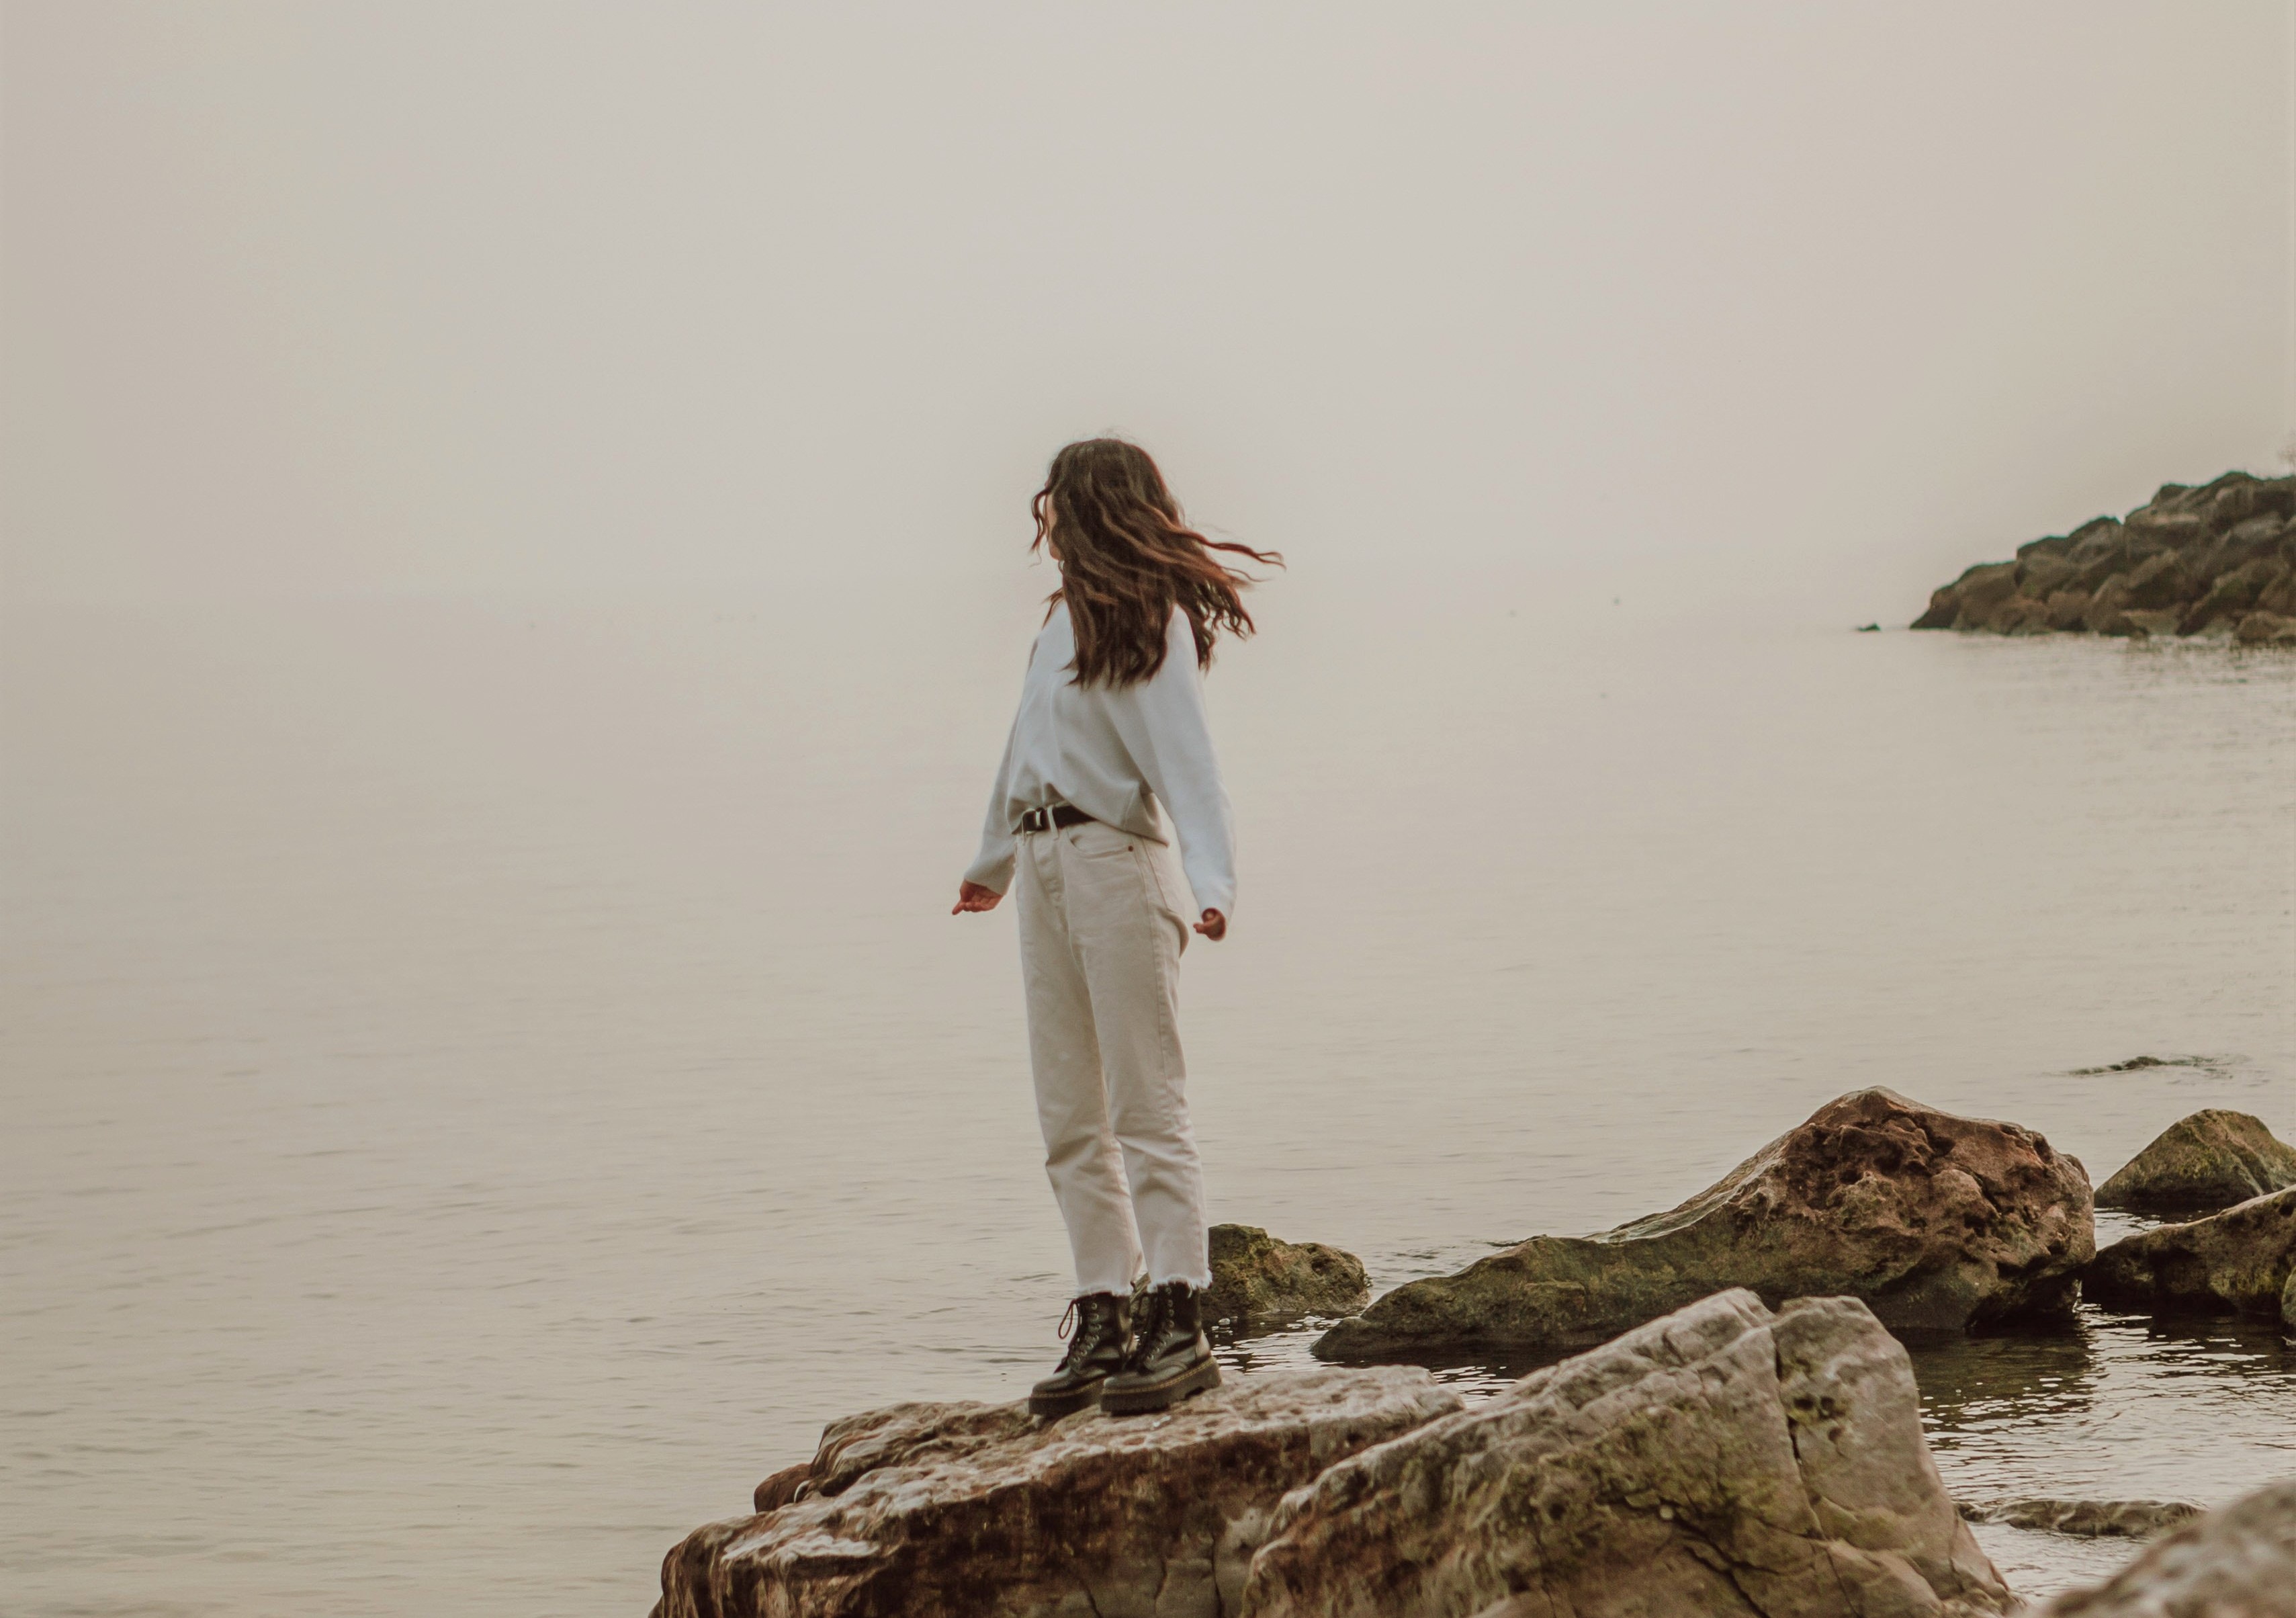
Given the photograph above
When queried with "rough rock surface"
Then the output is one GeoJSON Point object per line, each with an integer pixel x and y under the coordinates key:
{"type": "Point", "coordinates": [2211, 1159]}
{"type": "Point", "coordinates": [1937, 1222]}
{"type": "Point", "coordinates": [1255, 1275]}
{"type": "Point", "coordinates": [2236, 1562]}
{"type": "Point", "coordinates": [2239, 1262]}
{"type": "Point", "coordinates": [1722, 1460]}
{"type": "Point", "coordinates": [2087, 1519]}
{"type": "Point", "coordinates": [2266, 629]}
{"type": "Point", "coordinates": [780, 1487]}
{"type": "Point", "coordinates": [2218, 559]}
{"type": "Point", "coordinates": [976, 1508]}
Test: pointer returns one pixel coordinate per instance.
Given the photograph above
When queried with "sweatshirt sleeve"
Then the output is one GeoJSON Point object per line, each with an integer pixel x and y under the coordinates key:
{"type": "Point", "coordinates": [992, 867]}
{"type": "Point", "coordinates": [1162, 724]}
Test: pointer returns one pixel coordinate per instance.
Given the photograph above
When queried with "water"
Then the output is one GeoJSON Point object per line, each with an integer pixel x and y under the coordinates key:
{"type": "Point", "coordinates": [487, 1079]}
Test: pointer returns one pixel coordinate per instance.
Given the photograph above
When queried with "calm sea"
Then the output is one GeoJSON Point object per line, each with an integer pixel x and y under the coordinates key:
{"type": "Point", "coordinates": [487, 1079]}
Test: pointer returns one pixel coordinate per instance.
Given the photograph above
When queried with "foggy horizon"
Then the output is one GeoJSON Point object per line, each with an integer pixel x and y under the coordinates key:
{"type": "Point", "coordinates": [421, 297]}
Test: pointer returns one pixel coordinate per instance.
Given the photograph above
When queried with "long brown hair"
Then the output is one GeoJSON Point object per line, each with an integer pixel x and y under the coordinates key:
{"type": "Point", "coordinates": [1126, 558]}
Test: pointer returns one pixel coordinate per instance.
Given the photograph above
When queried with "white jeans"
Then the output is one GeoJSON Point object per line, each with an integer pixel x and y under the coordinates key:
{"type": "Point", "coordinates": [1101, 929]}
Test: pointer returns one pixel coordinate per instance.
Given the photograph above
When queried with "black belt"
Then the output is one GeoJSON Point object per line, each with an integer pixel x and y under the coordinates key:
{"type": "Point", "coordinates": [1045, 819]}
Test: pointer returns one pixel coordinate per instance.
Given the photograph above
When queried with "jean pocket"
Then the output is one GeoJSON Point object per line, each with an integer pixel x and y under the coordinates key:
{"type": "Point", "coordinates": [1097, 842]}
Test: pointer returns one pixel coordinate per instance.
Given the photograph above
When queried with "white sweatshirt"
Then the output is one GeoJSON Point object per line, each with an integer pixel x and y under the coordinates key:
{"type": "Point", "coordinates": [1115, 754]}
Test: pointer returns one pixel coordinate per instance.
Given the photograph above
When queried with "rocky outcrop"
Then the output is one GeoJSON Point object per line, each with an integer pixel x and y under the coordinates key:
{"type": "Point", "coordinates": [1937, 1222]}
{"type": "Point", "coordinates": [1721, 1460]}
{"type": "Point", "coordinates": [2220, 558]}
{"type": "Point", "coordinates": [2236, 1562]}
{"type": "Point", "coordinates": [2239, 1262]}
{"type": "Point", "coordinates": [1255, 1277]}
{"type": "Point", "coordinates": [976, 1508]}
{"type": "Point", "coordinates": [2087, 1519]}
{"type": "Point", "coordinates": [2211, 1159]}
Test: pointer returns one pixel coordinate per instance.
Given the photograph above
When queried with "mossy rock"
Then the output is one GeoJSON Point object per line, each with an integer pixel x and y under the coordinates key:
{"type": "Point", "coordinates": [1257, 1277]}
{"type": "Point", "coordinates": [2212, 1159]}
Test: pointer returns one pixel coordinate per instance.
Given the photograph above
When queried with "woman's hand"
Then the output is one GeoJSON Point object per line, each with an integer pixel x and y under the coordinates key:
{"type": "Point", "coordinates": [972, 896]}
{"type": "Point", "coordinates": [1214, 926]}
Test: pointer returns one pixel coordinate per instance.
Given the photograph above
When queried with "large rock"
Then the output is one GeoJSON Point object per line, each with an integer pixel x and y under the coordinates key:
{"type": "Point", "coordinates": [1255, 1277]}
{"type": "Point", "coordinates": [2234, 1262]}
{"type": "Point", "coordinates": [972, 1508]}
{"type": "Point", "coordinates": [1977, 590]}
{"type": "Point", "coordinates": [1939, 1222]}
{"type": "Point", "coordinates": [1721, 1460]}
{"type": "Point", "coordinates": [1981, 589]}
{"type": "Point", "coordinates": [2236, 1562]}
{"type": "Point", "coordinates": [2205, 558]}
{"type": "Point", "coordinates": [2211, 1159]}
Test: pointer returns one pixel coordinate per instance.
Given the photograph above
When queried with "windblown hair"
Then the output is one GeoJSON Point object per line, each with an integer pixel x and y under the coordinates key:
{"type": "Point", "coordinates": [1126, 558]}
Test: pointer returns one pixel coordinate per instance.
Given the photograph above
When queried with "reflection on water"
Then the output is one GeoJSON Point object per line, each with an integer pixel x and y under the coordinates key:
{"type": "Point", "coordinates": [2110, 1407]}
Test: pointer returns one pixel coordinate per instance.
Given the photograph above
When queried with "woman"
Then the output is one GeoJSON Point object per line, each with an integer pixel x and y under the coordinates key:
{"type": "Point", "coordinates": [1111, 728]}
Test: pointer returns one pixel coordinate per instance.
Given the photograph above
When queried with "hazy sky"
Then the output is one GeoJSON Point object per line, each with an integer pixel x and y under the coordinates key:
{"type": "Point", "coordinates": [412, 295]}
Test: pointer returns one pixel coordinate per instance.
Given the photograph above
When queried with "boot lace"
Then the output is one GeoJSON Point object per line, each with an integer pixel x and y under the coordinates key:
{"type": "Point", "coordinates": [1156, 1320]}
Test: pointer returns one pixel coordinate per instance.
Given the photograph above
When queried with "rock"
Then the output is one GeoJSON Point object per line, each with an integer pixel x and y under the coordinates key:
{"type": "Point", "coordinates": [2212, 1159]}
{"type": "Point", "coordinates": [2038, 575]}
{"type": "Point", "coordinates": [2266, 629]}
{"type": "Point", "coordinates": [2171, 528]}
{"type": "Point", "coordinates": [2172, 555]}
{"type": "Point", "coordinates": [2067, 608]}
{"type": "Point", "coordinates": [782, 1487]}
{"type": "Point", "coordinates": [1720, 1460]}
{"type": "Point", "coordinates": [2087, 1519]}
{"type": "Point", "coordinates": [2106, 603]}
{"type": "Point", "coordinates": [2233, 594]}
{"type": "Point", "coordinates": [2288, 1301]}
{"type": "Point", "coordinates": [974, 1508]}
{"type": "Point", "coordinates": [2098, 569]}
{"type": "Point", "coordinates": [2260, 540]}
{"type": "Point", "coordinates": [2234, 1262]}
{"type": "Point", "coordinates": [1939, 1222]}
{"type": "Point", "coordinates": [1944, 607]}
{"type": "Point", "coordinates": [2157, 582]}
{"type": "Point", "coordinates": [2142, 624]}
{"type": "Point", "coordinates": [2097, 536]}
{"type": "Point", "coordinates": [2236, 1562]}
{"type": "Point", "coordinates": [1980, 590]}
{"type": "Point", "coordinates": [1255, 1275]}
{"type": "Point", "coordinates": [2055, 545]}
{"type": "Point", "coordinates": [2018, 615]}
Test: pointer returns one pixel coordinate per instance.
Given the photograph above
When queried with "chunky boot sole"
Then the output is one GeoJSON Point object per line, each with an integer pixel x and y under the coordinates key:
{"type": "Point", "coordinates": [1052, 1406]}
{"type": "Point", "coordinates": [1140, 1398]}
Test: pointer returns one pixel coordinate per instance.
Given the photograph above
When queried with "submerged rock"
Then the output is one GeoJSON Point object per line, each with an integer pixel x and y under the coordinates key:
{"type": "Point", "coordinates": [2236, 1562]}
{"type": "Point", "coordinates": [2087, 1519]}
{"type": "Point", "coordinates": [1255, 1275]}
{"type": "Point", "coordinates": [1937, 1222]}
{"type": "Point", "coordinates": [977, 1509]}
{"type": "Point", "coordinates": [2189, 561]}
{"type": "Point", "coordinates": [2210, 1159]}
{"type": "Point", "coordinates": [1721, 1460]}
{"type": "Point", "coordinates": [2238, 1261]}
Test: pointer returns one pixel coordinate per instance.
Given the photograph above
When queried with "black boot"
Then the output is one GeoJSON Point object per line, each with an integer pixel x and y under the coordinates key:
{"type": "Point", "coordinates": [1096, 1353]}
{"type": "Point", "coordinates": [1170, 1359]}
